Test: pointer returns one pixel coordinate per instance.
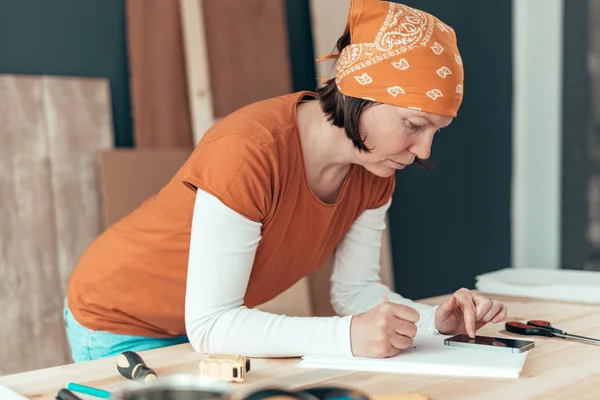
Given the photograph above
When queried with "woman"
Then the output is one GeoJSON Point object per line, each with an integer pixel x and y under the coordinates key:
{"type": "Point", "coordinates": [269, 193]}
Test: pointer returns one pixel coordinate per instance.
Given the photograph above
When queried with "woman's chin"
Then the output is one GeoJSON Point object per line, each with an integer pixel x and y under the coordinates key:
{"type": "Point", "coordinates": [382, 171]}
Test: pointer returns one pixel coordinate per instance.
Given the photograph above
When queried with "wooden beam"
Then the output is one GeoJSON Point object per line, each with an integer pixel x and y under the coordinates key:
{"type": "Point", "coordinates": [197, 67]}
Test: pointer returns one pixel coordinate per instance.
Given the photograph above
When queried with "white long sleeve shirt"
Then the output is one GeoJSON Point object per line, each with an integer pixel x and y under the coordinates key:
{"type": "Point", "coordinates": [222, 248]}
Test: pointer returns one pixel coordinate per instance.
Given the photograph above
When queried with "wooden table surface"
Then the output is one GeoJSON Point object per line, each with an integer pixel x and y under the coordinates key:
{"type": "Point", "coordinates": [555, 368]}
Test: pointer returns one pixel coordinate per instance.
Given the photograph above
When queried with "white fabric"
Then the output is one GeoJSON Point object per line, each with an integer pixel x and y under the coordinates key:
{"type": "Point", "coordinates": [222, 248]}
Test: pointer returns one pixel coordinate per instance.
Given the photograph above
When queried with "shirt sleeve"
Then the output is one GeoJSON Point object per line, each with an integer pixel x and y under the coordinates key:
{"type": "Point", "coordinates": [237, 170]}
{"type": "Point", "coordinates": [222, 249]}
{"type": "Point", "coordinates": [356, 283]}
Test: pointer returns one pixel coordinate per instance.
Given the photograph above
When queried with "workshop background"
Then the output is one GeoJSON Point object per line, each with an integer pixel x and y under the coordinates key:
{"type": "Point", "coordinates": [101, 101]}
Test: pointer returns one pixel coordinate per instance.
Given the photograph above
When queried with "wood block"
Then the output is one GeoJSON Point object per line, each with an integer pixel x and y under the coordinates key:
{"type": "Point", "coordinates": [32, 329]}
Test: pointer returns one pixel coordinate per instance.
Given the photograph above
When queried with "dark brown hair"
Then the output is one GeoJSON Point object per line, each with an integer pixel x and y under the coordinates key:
{"type": "Point", "coordinates": [344, 111]}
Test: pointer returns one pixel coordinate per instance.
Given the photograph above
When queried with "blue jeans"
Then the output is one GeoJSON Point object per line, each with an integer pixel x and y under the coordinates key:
{"type": "Point", "coordinates": [87, 344]}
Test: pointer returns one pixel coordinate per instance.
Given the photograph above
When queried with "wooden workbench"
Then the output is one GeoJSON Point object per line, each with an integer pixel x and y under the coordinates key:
{"type": "Point", "coordinates": [555, 368]}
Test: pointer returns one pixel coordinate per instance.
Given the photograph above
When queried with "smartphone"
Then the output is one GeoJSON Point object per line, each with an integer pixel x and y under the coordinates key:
{"type": "Point", "coordinates": [490, 343]}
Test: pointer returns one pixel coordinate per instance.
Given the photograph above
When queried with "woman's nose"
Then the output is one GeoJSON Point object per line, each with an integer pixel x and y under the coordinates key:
{"type": "Point", "coordinates": [422, 148]}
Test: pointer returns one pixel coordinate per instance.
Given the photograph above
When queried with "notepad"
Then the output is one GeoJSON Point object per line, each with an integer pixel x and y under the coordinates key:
{"type": "Point", "coordinates": [431, 357]}
{"type": "Point", "coordinates": [567, 285]}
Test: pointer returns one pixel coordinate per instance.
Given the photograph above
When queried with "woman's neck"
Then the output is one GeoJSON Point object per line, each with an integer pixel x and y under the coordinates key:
{"type": "Point", "coordinates": [326, 151]}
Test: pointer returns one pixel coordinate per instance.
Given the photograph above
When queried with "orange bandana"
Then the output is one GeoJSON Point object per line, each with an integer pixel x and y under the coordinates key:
{"type": "Point", "coordinates": [401, 56]}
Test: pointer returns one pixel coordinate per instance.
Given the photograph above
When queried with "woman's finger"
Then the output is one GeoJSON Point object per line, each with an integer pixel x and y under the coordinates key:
{"type": "Point", "coordinates": [501, 316]}
{"type": "Point", "coordinates": [494, 310]}
{"type": "Point", "coordinates": [404, 328]}
{"type": "Point", "coordinates": [465, 302]}
{"type": "Point", "coordinates": [447, 308]}
{"type": "Point", "coordinates": [401, 342]}
{"type": "Point", "coordinates": [483, 306]}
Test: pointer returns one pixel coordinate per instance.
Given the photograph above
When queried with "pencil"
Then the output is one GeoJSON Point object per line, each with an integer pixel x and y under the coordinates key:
{"type": "Point", "coordinates": [386, 300]}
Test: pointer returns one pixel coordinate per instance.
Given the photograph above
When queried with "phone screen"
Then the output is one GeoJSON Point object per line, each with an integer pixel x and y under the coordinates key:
{"type": "Point", "coordinates": [487, 341]}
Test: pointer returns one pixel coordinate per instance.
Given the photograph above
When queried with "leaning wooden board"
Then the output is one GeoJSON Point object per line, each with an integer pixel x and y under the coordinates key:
{"type": "Point", "coordinates": [160, 106]}
{"type": "Point", "coordinates": [79, 126]}
{"type": "Point", "coordinates": [555, 369]}
{"type": "Point", "coordinates": [50, 131]}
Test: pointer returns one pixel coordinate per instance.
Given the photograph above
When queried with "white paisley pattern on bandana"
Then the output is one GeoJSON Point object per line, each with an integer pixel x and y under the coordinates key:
{"type": "Point", "coordinates": [400, 56]}
{"type": "Point", "coordinates": [404, 28]}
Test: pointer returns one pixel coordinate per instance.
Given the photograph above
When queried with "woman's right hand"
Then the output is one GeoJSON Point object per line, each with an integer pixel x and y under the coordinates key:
{"type": "Point", "coordinates": [383, 331]}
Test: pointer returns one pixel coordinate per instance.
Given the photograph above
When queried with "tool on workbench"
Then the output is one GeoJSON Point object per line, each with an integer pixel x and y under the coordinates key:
{"type": "Point", "coordinates": [132, 366]}
{"type": "Point", "coordinates": [88, 390]}
{"type": "Point", "coordinates": [544, 328]}
{"type": "Point", "coordinates": [66, 394]}
{"type": "Point", "coordinates": [224, 367]}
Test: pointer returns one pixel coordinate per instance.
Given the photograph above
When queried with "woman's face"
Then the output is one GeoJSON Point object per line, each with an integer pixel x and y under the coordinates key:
{"type": "Point", "coordinates": [397, 135]}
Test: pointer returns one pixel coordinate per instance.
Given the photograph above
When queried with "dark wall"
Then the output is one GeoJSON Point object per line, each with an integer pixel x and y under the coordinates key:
{"type": "Point", "coordinates": [581, 32]}
{"type": "Point", "coordinates": [300, 44]}
{"type": "Point", "coordinates": [453, 223]}
{"type": "Point", "coordinates": [70, 37]}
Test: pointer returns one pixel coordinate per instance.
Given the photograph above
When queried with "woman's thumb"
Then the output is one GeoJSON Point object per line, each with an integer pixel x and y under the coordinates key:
{"type": "Point", "coordinates": [447, 307]}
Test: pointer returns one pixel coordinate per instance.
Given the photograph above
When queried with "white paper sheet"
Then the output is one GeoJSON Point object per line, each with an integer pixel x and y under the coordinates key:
{"type": "Point", "coordinates": [9, 394]}
{"type": "Point", "coordinates": [568, 285]}
{"type": "Point", "coordinates": [431, 357]}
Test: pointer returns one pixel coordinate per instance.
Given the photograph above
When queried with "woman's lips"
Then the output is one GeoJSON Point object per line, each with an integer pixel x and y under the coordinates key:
{"type": "Point", "coordinates": [398, 164]}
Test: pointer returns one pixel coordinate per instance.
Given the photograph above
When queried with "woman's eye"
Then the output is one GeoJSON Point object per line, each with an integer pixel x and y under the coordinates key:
{"type": "Point", "coordinates": [413, 126]}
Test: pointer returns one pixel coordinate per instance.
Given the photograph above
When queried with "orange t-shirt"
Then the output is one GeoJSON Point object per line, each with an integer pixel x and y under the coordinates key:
{"type": "Point", "coordinates": [132, 279]}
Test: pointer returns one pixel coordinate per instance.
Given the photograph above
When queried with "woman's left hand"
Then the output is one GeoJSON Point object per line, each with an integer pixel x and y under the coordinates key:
{"type": "Point", "coordinates": [466, 311]}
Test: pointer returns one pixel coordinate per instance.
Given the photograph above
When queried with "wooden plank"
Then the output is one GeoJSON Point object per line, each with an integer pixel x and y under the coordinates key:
{"type": "Point", "coordinates": [79, 126]}
{"type": "Point", "coordinates": [32, 330]}
{"type": "Point", "coordinates": [161, 114]}
{"type": "Point", "coordinates": [247, 52]}
{"type": "Point", "coordinates": [198, 75]}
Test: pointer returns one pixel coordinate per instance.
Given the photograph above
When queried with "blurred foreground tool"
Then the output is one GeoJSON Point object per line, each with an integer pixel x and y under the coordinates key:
{"type": "Point", "coordinates": [400, 396]}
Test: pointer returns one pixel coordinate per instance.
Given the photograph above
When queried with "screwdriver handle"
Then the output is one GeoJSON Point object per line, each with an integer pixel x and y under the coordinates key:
{"type": "Point", "coordinates": [132, 366]}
